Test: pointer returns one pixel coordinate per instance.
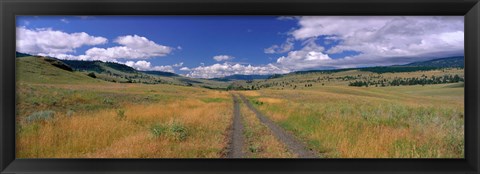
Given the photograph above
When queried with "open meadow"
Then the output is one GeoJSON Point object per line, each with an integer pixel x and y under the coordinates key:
{"type": "Point", "coordinates": [352, 122]}
{"type": "Point", "coordinates": [65, 114]}
{"type": "Point", "coordinates": [121, 121]}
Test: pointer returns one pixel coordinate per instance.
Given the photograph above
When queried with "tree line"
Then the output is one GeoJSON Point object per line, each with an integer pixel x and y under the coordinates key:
{"type": "Point", "coordinates": [424, 80]}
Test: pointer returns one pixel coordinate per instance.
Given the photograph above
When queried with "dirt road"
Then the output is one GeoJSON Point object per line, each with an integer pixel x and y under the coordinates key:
{"type": "Point", "coordinates": [292, 143]}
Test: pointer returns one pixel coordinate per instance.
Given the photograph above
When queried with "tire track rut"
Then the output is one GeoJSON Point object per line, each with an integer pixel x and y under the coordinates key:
{"type": "Point", "coordinates": [236, 142]}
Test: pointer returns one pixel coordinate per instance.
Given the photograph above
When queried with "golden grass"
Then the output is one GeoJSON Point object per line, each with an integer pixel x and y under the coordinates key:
{"type": "Point", "coordinates": [336, 120]}
{"type": "Point", "coordinates": [368, 142]}
{"type": "Point", "coordinates": [382, 142]}
{"type": "Point", "coordinates": [259, 140]}
{"type": "Point", "coordinates": [102, 134]}
{"type": "Point", "coordinates": [251, 93]}
{"type": "Point", "coordinates": [390, 122]}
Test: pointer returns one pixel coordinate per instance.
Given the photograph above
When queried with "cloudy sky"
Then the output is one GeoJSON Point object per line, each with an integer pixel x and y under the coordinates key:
{"type": "Point", "coordinates": [216, 46]}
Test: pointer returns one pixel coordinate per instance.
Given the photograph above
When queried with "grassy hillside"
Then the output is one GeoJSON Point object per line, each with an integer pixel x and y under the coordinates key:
{"type": "Point", "coordinates": [347, 77]}
{"type": "Point", "coordinates": [435, 64]}
{"type": "Point", "coordinates": [17, 54]}
{"type": "Point", "coordinates": [39, 70]}
{"type": "Point", "coordinates": [114, 72]}
{"type": "Point", "coordinates": [98, 66]}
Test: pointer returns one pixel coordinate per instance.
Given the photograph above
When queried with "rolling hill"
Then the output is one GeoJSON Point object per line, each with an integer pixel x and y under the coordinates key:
{"type": "Point", "coordinates": [17, 54]}
{"type": "Point", "coordinates": [46, 70]}
{"type": "Point", "coordinates": [445, 67]}
{"type": "Point", "coordinates": [448, 62]}
{"type": "Point", "coordinates": [120, 73]}
{"type": "Point", "coordinates": [98, 66]}
{"type": "Point", "coordinates": [39, 69]}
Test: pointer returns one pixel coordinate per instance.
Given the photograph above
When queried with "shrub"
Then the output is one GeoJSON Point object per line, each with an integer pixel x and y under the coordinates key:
{"type": "Point", "coordinates": [365, 115]}
{"type": "Point", "coordinates": [179, 131]}
{"type": "Point", "coordinates": [40, 116]}
{"type": "Point", "coordinates": [158, 130]}
{"type": "Point", "coordinates": [69, 113]}
{"type": "Point", "coordinates": [92, 75]}
{"type": "Point", "coordinates": [254, 148]}
{"type": "Point", "coordinates": [175, 130]}
{"type": "Point", "coordinates": [121, 114]}
{"type": "Point", "coordinates": [107, 101]}
{"type": "Point", "coordinates": [257, 102]}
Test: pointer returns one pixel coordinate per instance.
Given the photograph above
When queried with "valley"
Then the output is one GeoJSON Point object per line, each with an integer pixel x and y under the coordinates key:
{"type": "Point", "coordinates": [93, 109]}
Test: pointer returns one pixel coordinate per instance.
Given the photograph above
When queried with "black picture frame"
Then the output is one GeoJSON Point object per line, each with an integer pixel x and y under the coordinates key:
{"type": "Point", "coordinates": [10, 8]}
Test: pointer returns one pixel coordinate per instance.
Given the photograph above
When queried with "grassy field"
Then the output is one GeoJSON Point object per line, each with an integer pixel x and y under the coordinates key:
{"type": "Point", "coordinates": [67, 114]}
{"type": "Point", "coordinates": [170, 124]}
{"type": "Point", "coordinates": [70, 115]}
{"type": "Point", "coordinates": [351, 122]}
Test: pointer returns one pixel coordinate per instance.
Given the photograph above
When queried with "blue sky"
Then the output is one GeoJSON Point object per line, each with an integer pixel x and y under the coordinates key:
{"type": "Point", "coordinates": [215, 46]}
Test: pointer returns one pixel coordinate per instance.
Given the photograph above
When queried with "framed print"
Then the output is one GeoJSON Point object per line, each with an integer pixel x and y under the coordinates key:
{"type": "Point", "coordinates": [239, 86]}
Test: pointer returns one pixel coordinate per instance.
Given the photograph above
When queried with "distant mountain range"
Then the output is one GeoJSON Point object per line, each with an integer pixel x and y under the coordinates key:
{"type": "Point", "coordinates": [448, 62]}
{"type": "Point", "coordinates": [458, 61]}
{"type": "Point", "coordinates": [241, 77]}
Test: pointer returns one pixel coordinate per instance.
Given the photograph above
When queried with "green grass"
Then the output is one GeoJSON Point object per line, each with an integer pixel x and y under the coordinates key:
{"type": "Point", "coordinates": [456, 85]}
{"type": "Point", "coordinates": [173, 130]}
{"type": "Point", "coordinates": [60, 99]}
{"type": "Point", "coordinates": [40, 116]}
{"type": "Point", "coordinates": [213, 100]}
{"type": "Point", "coordinates": [36, 70]}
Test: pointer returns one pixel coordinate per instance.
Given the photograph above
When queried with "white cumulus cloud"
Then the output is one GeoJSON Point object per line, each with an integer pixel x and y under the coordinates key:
{"type": "Point", "coordinates": [143, 65]}
{"type": "Point", "coordinates": [178, 64]}
{"type": "Point", "coordinates": [184, 69]}
{"type": "Point", "coordinates": [226, 69]}
{"type": "Point", "coordinates": [139, 65]}
{"type": "Point", "coordinates": [310, 56]}
{"type": "Point", "coordinates": [378, 40]}
{"type": "Point", "coordinates": [133, 47]}
{"type": "Point", "coordinates": [49, 41]}
{"type": "Point", "coordinates": [222, 58]}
